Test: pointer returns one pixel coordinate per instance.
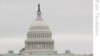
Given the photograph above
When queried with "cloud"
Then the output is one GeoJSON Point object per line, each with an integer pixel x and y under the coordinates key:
{"type": "Point", "coordinates": [70, 22]}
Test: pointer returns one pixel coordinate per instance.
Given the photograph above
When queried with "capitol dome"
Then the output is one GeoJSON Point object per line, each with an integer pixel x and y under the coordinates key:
{"type": "Point", "coordinates": [39, 23]}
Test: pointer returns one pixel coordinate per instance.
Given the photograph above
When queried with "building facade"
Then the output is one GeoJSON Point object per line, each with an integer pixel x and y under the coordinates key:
{"type": "Point", "coordinates": [39, 37]}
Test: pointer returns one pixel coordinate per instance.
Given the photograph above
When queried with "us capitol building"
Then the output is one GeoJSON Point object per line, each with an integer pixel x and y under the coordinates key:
{"type": "Point", "coordinates": [39, 41]}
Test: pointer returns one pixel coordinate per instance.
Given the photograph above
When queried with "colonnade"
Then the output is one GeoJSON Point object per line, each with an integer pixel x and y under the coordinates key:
{"type": "Point", "coordinates": [40, 46]}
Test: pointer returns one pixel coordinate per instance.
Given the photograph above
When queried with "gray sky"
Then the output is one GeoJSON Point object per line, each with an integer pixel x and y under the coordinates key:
{"type": "Point", "coordinates": [69, 20]}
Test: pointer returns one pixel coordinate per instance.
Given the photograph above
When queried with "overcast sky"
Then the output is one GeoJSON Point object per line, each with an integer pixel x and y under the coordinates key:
{"type": "Point", "coordinates": [70, 22]}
